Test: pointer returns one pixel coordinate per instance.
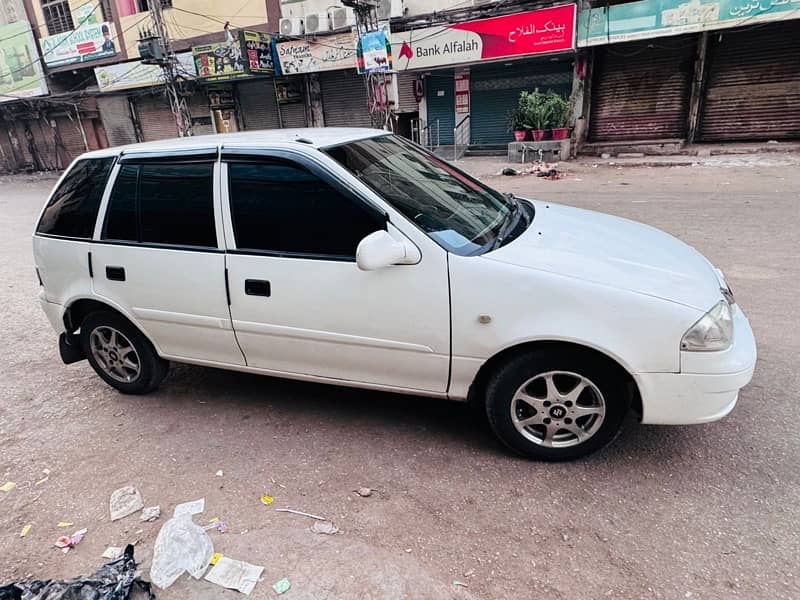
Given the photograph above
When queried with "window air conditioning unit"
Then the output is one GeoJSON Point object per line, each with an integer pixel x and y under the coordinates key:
{"type": "Point", "coordinates": [390, 9]}
{"type": "Point", "coordinates": [317, 23]}
{"type": "Point", "coordinates": [342, 18]}
{"type": "Point", "coordinates": [292, 27]}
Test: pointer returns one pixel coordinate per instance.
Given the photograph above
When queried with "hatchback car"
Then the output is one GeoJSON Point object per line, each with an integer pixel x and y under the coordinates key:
{"type": "Point", "coordinates": [355, 257]}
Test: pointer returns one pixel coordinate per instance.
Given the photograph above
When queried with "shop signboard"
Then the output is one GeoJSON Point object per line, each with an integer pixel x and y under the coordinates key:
{"type": "Point", "coordinates": [528, 33]}
{"type": "Point", "coordinates": [657, 18]}
{"type": "Point", "coordinates": [374, 54]}
{"type": "Point", "coordinates": [258, 51]}
{"type": "Point", "coordinates": [220, 61]}
{"type": "Point", "coordinates": [331, 53]}
{"type": "Point", "coordinates": [90, 41]}
{"type": "Point", "coordinates": [20, 70]}
{"type": "Point", "coordinates": [131, 75]}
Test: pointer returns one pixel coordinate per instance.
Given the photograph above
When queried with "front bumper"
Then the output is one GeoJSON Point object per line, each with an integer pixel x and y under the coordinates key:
{"type": "Point", "coordinates": [708, 385]}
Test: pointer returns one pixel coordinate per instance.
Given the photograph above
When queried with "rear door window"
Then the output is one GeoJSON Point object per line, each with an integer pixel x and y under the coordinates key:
{"type": "Point", "coordinates": [164, 204]}
{"type": "Point", "coordinates": [72, 210]}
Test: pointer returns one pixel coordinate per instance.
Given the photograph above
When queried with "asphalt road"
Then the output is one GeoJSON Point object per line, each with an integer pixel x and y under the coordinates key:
{"type": "Point", "coordinates": [666, 512]}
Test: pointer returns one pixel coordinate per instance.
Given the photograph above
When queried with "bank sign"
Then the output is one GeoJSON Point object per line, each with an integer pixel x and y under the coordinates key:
{"type": "Point", "coordinates": [657, 18]}
{"type": "Point", "coordinates": [87, 42]}
{"type": "Point", "coordinates": [522, 34]}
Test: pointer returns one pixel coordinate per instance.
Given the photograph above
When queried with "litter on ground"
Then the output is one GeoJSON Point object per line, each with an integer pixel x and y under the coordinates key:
{"type": "Point", "coordinates": [112, 552]}
{"type": "Point", "coordinates": [324, 527]}
{"type": "Point", "coordinates": [302, 514]}
{"type": "Point", "coordinates": [64, 524]}
{"type": "Point", "coordinates": [25, 531]}
{"type": "Point", "coordinates": [282, 586]}
{"type": "Point", "coordinates": [65, 542]}
{"type": "Point", "coordinates": [8, 486]}
{"type": "Point", "coordinates": [150, 513]}
{"type": "Point", "coordinates": [125, 501]}
{"type": "Point", "coordinates": [195, 507]}
{"type": "Point", "coordinates": [181, 546]}
{"type": "Point", "coordinates": [235, 574]}
{"type": "Point", "coordinates": [364, 492]}
{"type": "Point", "coordinates": [267, 500]}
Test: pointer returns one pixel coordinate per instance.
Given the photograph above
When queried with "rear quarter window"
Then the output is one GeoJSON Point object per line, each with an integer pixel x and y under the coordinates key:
{"type": "Point", "coordinates": [72, 209]}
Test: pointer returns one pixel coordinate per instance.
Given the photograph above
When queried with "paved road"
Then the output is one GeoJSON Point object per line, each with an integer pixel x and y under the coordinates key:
{"type": "Point", "coordinates": [702, 512]}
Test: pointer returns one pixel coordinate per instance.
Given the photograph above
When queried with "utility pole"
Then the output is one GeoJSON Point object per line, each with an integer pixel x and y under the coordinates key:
{"type": "Point", "coordinates": [376, 83]}
{"type": "Point", "coordinates": [154, 50]}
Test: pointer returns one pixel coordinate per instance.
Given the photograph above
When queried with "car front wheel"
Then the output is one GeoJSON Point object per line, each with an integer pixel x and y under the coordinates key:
{"type": "Point", "coordinates": [552, 405]}
{"type": "Point", "coordinates": [120, 354]}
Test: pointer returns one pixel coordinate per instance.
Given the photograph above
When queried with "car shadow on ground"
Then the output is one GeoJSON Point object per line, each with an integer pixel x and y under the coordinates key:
{"type": "Point", "coordinates": [356, 411]}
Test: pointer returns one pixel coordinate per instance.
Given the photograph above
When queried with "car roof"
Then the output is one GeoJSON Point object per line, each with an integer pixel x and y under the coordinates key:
{"type": "Point", "coordinates": [314, 137]}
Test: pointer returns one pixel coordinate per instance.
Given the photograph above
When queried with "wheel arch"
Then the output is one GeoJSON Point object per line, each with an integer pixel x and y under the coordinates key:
{"type": "Point", "coordinates": [477, 389]}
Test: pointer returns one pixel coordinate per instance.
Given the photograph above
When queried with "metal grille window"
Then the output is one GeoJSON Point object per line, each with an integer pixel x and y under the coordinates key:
{"type": "Point", "coordinates": [105, 9]}
{"type": "Point", "coordinates": [57, 16]}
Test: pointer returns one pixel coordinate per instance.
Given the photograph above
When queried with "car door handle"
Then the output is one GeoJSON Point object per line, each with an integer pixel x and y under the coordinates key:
{"type": "Point", "coordinates": [257, 287]}
{"type": "Point", "coordinates": [115, 273]}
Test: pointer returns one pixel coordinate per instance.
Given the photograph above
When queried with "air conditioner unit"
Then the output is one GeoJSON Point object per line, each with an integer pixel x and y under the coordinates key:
{"type": "Point", "coordinates": [390, 9]}
{"type": "Point", "coordinates": [317, 23]}
{"type": "Point", "coordinates": [342, 18]}
{"type": "Point", "coordinates": [292, 27]}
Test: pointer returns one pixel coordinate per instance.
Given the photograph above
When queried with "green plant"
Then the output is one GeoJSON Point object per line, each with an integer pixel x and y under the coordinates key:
{"type": "Point", "coordinates": [558, 109]}
{"type": "Point", "coordinates": [516, 119]}
{"type": "Point", "coordinates": [535, 110]}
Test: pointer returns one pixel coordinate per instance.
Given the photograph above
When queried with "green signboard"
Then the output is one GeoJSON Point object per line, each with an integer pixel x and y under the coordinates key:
{"type": "Point", "coordinates": [658, 18]}
{"type": "Point", "coordinates": [20, 70]}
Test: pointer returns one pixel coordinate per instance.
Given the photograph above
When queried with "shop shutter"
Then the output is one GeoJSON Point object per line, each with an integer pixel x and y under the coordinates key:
{"type": "Point", "coordinates": [155, 118]}
{"type": "Point", "coordinates": [753, 84]}
{"type": "Point", "coordinates": [344, 99]}
{"type": "Point", "coordinates": [198, 107]}
{"type": "Point", "coordinates": [71, 139]}
{"type": "Point", "coordinates": [116, 116]}
{"type": "Point", "coordinates": [495, 90]}
{"type": "Point", "coordinates": [641, 90]}
{"type": "Point", "coordinates": [406, 101]}
{"type": "Point", "coordinates": [441, 106]}
{"type": "Point", "coordinates": [293, 114]}
{"type": "Point", "coordinates": [8, 160]}
{"type": "Point", "coordinates": [258, 104]}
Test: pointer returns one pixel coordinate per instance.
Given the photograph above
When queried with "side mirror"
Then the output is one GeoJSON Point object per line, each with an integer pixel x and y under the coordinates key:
{"type": "Point", "coordinates": [379, 250]}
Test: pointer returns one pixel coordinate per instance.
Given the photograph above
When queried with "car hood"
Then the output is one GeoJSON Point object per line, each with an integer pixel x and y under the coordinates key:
{"type": "Point", "coordinates": [615, 252]}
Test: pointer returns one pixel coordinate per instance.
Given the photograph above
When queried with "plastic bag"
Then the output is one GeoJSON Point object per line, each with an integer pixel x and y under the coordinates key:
{"type": "Point", "coordinates": [180, 546]}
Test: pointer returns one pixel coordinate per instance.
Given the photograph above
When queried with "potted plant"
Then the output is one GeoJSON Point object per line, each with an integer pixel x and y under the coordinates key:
{"type": "Point", "coordinates": [516, 123]}
{"type": "Point", "coordinates": [560, 110]}
{"type": "Point", "coordinates": [537, 112]}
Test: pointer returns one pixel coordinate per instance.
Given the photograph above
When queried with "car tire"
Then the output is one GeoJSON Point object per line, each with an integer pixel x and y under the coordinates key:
{"type": "Point", "coordinates": [120, 354]}
{"type": "Point", "coordinates": [556, 405]}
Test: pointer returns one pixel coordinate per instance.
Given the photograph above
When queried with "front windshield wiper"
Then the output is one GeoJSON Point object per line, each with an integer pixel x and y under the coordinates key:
{"type": "Point", "coordinates": [510, 222]}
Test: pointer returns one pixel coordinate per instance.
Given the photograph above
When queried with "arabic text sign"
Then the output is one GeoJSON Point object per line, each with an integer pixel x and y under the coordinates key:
{"type": "Point", "coordinates": [257, 48]}
{"type": "Point", "coordinates": [20, 71]}
{"type": "Point", "coordinates": [655, 18]}
{"type": "Point", "coordinates": [522, 34]}
{"type": "Point", "coordinates": [220, 61]}
{"type": "Point", "coordinates": [125, 76]}
{"type": "Point", "coordinates": [87, 42]}
{"type": "Point", "coordinates": [307, 56]}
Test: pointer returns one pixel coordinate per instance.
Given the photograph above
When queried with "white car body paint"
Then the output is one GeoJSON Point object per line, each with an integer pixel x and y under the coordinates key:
{"type": "Point", "coordinates": [622, 288]}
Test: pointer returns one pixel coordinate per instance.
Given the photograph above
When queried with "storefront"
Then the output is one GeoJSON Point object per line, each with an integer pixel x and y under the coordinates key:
{"type": "Point", "coordinates": [711, 75]}
{"type": "Point", "coordinates": [344, 99]}
{"type": "Point", "coordinates": [479, 68]}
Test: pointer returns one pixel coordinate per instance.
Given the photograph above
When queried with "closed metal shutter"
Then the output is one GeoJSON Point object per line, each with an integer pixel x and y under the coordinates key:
{"type": "Point", "coordinates": [198, 106]}
{"type": "Point", "coordinates": [406, 102]}
{"type": "Point", "coordinates": [495, 90]}
{"type": "Point", "coordinates": [71, 138]}
{"type": "Point", "coordinates": [258, 104]}
{"type": "Point", "coordinates": [155, 118]}
{"type": "Point", "coordinates": [441, 106]}
{"type": "Point", "coordinates": [116, 115]}
{"type": "Point", "coordinates": [344, 99]}
{"type": "Point", "coordinates": [753, 85]}
{"type": "Point", "coordinates": [293, 114]}
{"type": "Point", "coordinates": [641, 90]}
{"type": "Point", "coordinates": [8, 160]}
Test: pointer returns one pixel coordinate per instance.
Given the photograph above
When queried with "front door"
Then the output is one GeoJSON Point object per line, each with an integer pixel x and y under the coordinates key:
{"type": "Point", "coordinates": [299, 302]}
{"type": "Point", "coordinates": [158, 258]}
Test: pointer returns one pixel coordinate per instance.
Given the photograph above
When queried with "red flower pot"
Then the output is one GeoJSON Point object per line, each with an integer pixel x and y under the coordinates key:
{"type": "Point", "coordinates": [560, 133]}
{"type": "Point", "coordinates": [520, 135]}
{"type": "Point", "coordinates": [538, 135]}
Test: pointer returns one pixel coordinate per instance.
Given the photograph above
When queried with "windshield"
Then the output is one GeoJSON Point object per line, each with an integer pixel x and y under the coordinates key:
{"type": "Point", "coordinates": [462, 215]}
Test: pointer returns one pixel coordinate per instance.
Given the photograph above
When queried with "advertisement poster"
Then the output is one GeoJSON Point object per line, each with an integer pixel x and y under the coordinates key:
{"type": "Point", "coordinates": [20, 70]}
{"type": "Point", "coordinates": [655, 18]}
{"type": "Point", "coordinates": [88, 42]}
{"type": "Point", "coordinates": [308, 56]}
{"type": "Point", "coordinates": [258, 51]}
{"type": "Point", "coordinates": [374, 53]}
{"type": "Point", "coordinates": [220, 61]}
{"type": "Point", "coordinates": [521, 34]}
{"type": "Point", "coordinates": [126, 76]}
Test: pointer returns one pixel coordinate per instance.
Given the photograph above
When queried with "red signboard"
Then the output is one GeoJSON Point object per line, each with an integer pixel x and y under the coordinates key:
{"type": "Point", "coordinates": [532, 32]}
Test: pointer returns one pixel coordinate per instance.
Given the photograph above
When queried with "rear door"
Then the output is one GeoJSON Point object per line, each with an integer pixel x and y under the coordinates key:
{"type": "Point", "coordinates": [158, 255]}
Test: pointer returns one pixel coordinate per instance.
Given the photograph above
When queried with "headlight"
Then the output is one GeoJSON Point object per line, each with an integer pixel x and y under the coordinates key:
{"type": "Point", "coordinates": [713, 332]}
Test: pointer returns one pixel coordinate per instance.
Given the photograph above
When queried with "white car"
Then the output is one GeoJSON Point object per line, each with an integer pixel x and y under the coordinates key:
{"type": "Point", "coordinates": [354, 257]}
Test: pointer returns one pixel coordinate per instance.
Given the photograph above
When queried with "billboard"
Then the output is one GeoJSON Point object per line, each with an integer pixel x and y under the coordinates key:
{"type": "Point", "coordinates": [20, 69]}
{"type": "Point", "coordinates": [521, 34]}
{"type": "Point", "coordinates": [251, 54]}
{"type": "Point", "coordinates": [656, 18]}
{"type": "Point", "coordinates": [90, 41]}
{"type": "Point", "coordinates": [332, 53]}
{"type": "Point", "coordinates": [126, 76]}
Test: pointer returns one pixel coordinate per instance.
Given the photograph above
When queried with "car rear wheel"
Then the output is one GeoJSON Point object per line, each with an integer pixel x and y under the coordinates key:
{"type": "Point", "coordinates": [120, 354]}
{"type": "Point", "coordinates": [556, 405]}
